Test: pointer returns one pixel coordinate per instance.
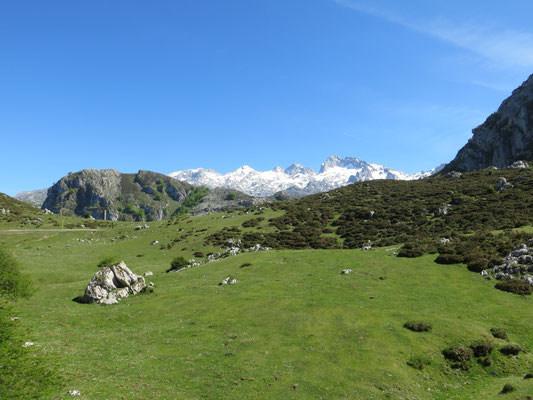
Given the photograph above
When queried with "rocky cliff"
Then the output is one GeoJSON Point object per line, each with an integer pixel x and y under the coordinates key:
{"type": "Point", "coordinates": [505, 137]}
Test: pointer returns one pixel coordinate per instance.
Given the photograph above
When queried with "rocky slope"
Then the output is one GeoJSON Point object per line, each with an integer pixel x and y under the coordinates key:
{"type": "Point", "coordinates": [505, 137]}
{"type": "Point", "coordinates": [295, 180]}
{"type": "Point", "coordinates": [144, 196]}
{"type": "Point", "coordinates": [34, 197]}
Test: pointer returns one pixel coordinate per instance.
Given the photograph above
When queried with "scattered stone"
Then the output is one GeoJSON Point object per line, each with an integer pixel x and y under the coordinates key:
{"type": "Point", "coordinates": [502, 184]}
{"type": "Point", "coordinates": [28, 344]}
{"type": "Point", "coordinates": [228, 280]}
{"type": "Point", "coordinates": [346, 271]}
{"type": "Point", "coordinates": [139, 227]}
{"type": "Point", "coordinates": [518, 165]}
{"type": "Point", "coordinates": [37, 220]}
{"type": "Point", "coordinates": [155, 242]}
{"type": "Point", "coordinates": [14, 318]}
{"type": "Point", "coordinates": [445, 241]}
{"type": "Point", "coordinates": [74, 392]}
{"type": "Point", "coordinates": [148, 273]}
{"type": "Point", "coordinates": [453, 175]}
{"type": "Point", "coordinates": [69, 245]}
{"type": "Point", "coordinates": [111, 284]}
{"type": "Point", "coordinates": [444, 209]}
{"type": "Point", "coordinates": [484, 273]}
{"type": "Point", "coordinates": [46, 211]}
{"type": "Point", "coordinates": [366, 248]}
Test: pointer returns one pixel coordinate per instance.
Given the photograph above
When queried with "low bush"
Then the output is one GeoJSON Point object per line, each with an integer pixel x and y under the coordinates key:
{"type": "Point", "coordinates": [460, 354]}
{"type": "Point", "coordinates": [449, 259]}
{"type": "Point", "coordinates": [418, 362]}
{"type": "Point", "coordinates": [177, 263]}
{"type": "Point", "coordinates": [485, 361]}
{"type": "Point", "coordinates": [528, 376]}
{"type": "Point", "coordinates": [499, 333]}
{"type": "Point", "coordinates": [245, 265]}
{"type": "Point", "coordinates": [507, 388]}
{"type": "Point", "coordinates": [517, 286]}
{"type": "Point", "coordinates": [410, 253]}
{"type": "Point", "coordinates": [482, 347]}
{"type": "Point", "coordinates": [418, 326]}
{"type": "Point", "coordinates": [511, 350]}
{"type": "Point", "coordinates": [107, 262]}
{"type": "Point", "coordinates": [199, 254]}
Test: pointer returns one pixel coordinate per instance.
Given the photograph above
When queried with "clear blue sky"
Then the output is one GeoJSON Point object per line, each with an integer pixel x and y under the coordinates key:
{"type": "Point", "coordinates": [167, 85]}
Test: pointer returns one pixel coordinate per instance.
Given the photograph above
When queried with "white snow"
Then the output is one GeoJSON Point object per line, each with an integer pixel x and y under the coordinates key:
{"type": "Point", "coordinates": [296, 179]}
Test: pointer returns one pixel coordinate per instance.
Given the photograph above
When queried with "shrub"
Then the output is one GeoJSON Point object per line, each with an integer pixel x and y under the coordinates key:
{"type": "Point", "coordinates": [107, 262]}
{"type": "Point", "coordinates": [177, 263]}
{"type": "Point", "coordinates": [507, 388]}
{"type": "Point", "coordinates": [418, 362]}
{"type": "Point", "coordinates": [12, 283]}
{"type": "Point", "coordinates": [245, 265]}
{"type": "Point", "coordinates": [199, 254]}
{"type": "Point", "coordinates": [418, 326]}
{"type": "Point", "coordinates": [459, 354]}
{"type": "Point", "coordinates": [478, 265]}
{"type": "Point", "coordinates": [231, 196]}
{"type": "Point", "coordinates": [517, 286]}
{"type": "Point", "coordinates": [449, 259]}
{"type": "Point", "coordinates": [499, 333]}
{"type": "Point", "coordinates": [528, 376]}
{"type": "Point", "coordinates": [410, 253]}
{"type": "Point", "coordinates": [511, 350]}
{"type": "Point", "coordinates": [485, 361]}
{"type": "Point", "coordinates": [482, 347]}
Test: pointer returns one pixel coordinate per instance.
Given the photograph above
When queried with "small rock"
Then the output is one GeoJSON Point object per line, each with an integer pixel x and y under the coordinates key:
{"type": "Point", "coordinates": [74, 392]}
{"type": "Point", "coordinates": [69, 245]}
{"type": "Point", "coordinates": [518, 165]}
{"type": "Point", "coordinates": [14, 318]}
{"type": "Point", "coordinates": [346, 271]}
{"type": "Point", "coordinates": [148, 273]}
{"type": "Point", "coordinates": [444, 209]}
{"type": "Point", "coordinates": [502, 184]}
{"type": "Point", "coordinates": [28, 344]}
{"type": "Point", "coordinates": [453, 175]}
{"type": "Point", "coordinates": [155, 242]}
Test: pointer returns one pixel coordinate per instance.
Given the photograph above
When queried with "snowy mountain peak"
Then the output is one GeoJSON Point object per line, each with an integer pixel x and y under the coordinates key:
{"type": "Point", "coordinates": [296, 180]}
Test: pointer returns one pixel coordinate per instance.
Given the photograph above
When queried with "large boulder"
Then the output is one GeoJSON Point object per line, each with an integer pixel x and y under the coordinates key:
{"type": "Point", "coordinates": [111, 284]}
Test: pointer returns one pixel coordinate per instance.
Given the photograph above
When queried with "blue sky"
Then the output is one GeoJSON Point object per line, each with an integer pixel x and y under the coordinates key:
{"type": "Point", "coordinates": [170, 85]}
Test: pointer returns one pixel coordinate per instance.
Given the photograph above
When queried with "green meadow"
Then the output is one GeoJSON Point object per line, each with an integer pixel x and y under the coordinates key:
{"type": "Point", "coordinates": [292, 327]}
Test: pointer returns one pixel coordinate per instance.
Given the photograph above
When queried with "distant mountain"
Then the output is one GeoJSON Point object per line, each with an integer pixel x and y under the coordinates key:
{"type": "Point", "coordinates": [34, 197]}
{"type": "Point", "coordinates": [505, 137]}
{"type": "Point", "coordinates": [144, 196]}
{"type": "Point", "coordinates": [295, 180]}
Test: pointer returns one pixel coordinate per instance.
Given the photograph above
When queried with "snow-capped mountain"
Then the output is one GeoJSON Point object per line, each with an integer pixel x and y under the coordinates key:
{"type": "Point", "coordinates": [296, 180]}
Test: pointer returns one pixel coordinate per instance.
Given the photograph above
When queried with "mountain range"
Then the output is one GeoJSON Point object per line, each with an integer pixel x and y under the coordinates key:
{"type": "Point", "coordinates": [296, 180]}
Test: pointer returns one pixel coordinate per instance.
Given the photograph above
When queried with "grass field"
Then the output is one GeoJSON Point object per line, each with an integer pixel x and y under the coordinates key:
{"type": "Point", "coordinates": [292, 327]}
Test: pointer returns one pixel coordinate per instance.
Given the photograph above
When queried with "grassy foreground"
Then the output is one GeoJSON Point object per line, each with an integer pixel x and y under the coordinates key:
{"type": "Point", "coordinates": [292, 327]}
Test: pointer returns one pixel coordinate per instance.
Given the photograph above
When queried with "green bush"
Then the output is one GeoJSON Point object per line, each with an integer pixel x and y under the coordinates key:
{"type": "Point", "coordinates": [517, 286]}
{"type": "Point", "coordinates": [459, 354]}
{"type": "Point", "coordinates": [511, 350]}
{"type": "Point", "coordinates": [199, 254]}
{"type": "Point", "coordinates": [12, 283]}
{"type": "Point", "coordinates": [499, 333]}
{"type": "Point", "coordinates": [410, 253]}
{"type": "Point", "coordinates": [482, 347]}
{"type": "Point", "coordinates": [418, 326]}
{"type": "Point", "coordinates": [107, 262]}
{"type": "Point", "coordinates": [177, 263]}
{"type": "Point", "coordinates": [418, 362]}
{"type": "Point", "coordinates": [507, 388]}
{"type": "Point", "coordinates": [231, 196]}
{"type": "Point", "coordinates": [449, 259]}
{"type": "Point", "coordinates": [244, 265]}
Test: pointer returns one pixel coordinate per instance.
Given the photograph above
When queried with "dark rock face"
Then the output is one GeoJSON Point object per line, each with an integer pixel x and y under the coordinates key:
{"type": "Point", "coordinates": [142, 196]}
{"type": "Point", "coordinates": [505, 137]}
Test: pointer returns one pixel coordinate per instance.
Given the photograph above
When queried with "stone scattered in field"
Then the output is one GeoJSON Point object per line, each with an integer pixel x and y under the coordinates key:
{"type": "Point", "coordinates": [228, 281]}
{"type": "Point", "coordinates": [14, 318]}
{"type": "Point", "coordinates": [28, 344]}
{"type": "Point", "coordinates": [502, 184]}
{"type": "Point", "coordinates": [74, 392]}
{"type": "Point", "coordinates": [139, 227]}
{"type": "Point", "coordinates": [519, 165]}
{"type": "Point", "coordinates": [444, 209]}
{"type": "Point", "coordinates": [155, 242]}
{"type": "Point", "coordinates": [346, 271]}
{"type": "Point", "coordinates": [111, 284]}
{"type": "Point", "coordinates": [148, 273]}
{"type": "Point", "coordinates": [453, 175]}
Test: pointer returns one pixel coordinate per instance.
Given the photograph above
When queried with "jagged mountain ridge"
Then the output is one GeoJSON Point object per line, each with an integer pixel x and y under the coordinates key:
{"type": "Point", "coordinates": [505, 137]}
{"type": "Point", "coordinates": [33, 197]}
{"type": "Point", "coordinates": [296, 180]}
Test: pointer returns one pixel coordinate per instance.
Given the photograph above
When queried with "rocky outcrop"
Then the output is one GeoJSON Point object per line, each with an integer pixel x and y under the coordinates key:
{"type": "Point", "coordinates": [111, 284]}
{"type": "Point", "coordinates": [33, 197]}
{"type": "Point", "coordinates": [518, 264]}
{"type": "Point", "coordinates": [504, 138]}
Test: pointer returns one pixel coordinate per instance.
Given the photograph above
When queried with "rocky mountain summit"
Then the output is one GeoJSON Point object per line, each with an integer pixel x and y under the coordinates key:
{"type": "Point", "coordinates": [295, 180]}
{"type": "Point", "coordinates": [33, 197]}
{"type": "Point", "coordinates": [144, 196]}
{"type": "Point", "coordinates": [504, 138]}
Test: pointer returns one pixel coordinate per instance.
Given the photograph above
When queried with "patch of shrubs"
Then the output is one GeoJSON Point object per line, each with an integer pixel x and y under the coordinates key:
{"type": "Point", "coordinates": [244, 265]}
{"type": "Point", "coordinates": [499, 333]}
{"type": "Point", "coordinates": [418, 326]}
{"type": "Point", "coordinates": [482, 348]}
{"type": "Point", "coordinates": [251, 223]}
{"type": "Point", "coordinates": [516, 286]}
{"type": "Point", "coordinates": [418, 362]}
{"type": "Point", "coordinates": [511, 350]}
{"type": "Point", "coordinates": [199, 254]}
{"type": "Point", "coordinates": [507, 388]}
{"type": "Point", "coordinates": [177, 263]}
{"type": "Point", "coordinates": [449, 259]}
{"type": "Point", "coordinates": [458, 354]}
{"type": "Point", "coordinates": [107, 262]}
{"type": "Point", "coordinates": [528, 376]}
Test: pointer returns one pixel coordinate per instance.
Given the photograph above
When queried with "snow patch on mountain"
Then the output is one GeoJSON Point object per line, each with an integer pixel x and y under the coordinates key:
{"type": "Point", "coordinates": [296, 180]}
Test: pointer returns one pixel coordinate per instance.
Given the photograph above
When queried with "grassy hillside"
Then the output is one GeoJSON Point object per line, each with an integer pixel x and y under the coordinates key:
{"type": "Point", "coordinates": [293, 326]}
